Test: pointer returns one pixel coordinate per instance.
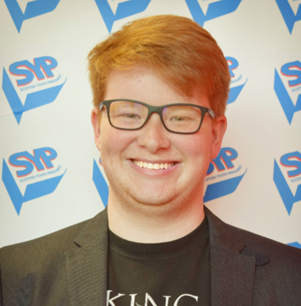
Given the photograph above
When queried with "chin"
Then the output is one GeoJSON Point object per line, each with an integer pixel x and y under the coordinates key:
{"type": "Point", "coordinates": [154, 203]}
{"type": "Point", "coordinates": [151, 201]}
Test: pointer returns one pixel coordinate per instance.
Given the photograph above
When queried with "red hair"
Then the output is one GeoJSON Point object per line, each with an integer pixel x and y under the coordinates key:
{"type": "Point", "coordinates": [183, 53]}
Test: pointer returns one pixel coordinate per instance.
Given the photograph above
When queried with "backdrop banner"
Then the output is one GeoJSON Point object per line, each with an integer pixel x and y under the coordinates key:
{"type": "Point", "coordinates": [51, 172]}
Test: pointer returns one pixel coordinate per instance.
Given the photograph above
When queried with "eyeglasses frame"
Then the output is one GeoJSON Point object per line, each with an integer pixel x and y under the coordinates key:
{"type": "Point", "coordinates": [158, 110]}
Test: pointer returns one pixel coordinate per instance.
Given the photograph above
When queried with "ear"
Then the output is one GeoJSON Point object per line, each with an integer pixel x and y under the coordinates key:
{"type": "Point", "coordinates": [219, 126]}
{"type": "Point", "coordinates": [95, 119]}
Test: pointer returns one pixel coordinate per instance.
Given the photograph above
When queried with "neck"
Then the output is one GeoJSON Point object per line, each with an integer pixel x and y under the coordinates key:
{"type": "Point", "coordinates": [154, 224]}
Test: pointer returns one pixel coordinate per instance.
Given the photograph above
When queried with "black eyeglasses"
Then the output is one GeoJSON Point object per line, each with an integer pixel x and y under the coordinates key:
{"type": "Point", "coordinates": [179, 118]}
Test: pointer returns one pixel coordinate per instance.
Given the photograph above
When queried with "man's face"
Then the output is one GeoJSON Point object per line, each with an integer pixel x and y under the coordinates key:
{"type": "Point", "coordinates": [123, 152]}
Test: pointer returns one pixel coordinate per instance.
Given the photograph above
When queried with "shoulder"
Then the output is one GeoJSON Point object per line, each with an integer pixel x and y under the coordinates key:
{"type": "Point", "coordinates": [58, 241]}
{"type": "Point", "coordinates": [48, 250]}
{"type": "Point", "coordinates": [41, 258]}
{"type": "Point", "coordinates": [272, 268]}
{"type": "Point", "coordinates": [37, 269]}
{"type": "Point", "coordinates": [248, 243]}
{"type": "Point", "coordinates": [277, 274]}
{"type": "Point", "coordinates": [280, 257]}
{"type": "Point", "coordinates": [273, 249]}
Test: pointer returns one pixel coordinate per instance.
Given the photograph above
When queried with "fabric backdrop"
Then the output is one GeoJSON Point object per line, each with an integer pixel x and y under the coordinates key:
{"type": "Point", "coordinates": [51, 173]}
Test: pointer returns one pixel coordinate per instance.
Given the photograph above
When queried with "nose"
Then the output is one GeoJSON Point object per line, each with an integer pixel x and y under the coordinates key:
{"type": "Point", "coordinates": [153, 135]}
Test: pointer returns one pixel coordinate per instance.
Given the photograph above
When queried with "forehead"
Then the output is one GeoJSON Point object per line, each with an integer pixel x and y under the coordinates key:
{"type": "Point", "coordinates": [145, 85]}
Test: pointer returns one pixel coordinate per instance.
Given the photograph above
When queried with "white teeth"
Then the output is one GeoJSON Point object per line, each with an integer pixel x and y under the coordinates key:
{"type": "Point", "coordinates": [151, 166]}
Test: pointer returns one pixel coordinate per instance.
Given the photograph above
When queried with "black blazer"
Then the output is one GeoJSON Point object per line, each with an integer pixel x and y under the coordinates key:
{"type": "Point", "coordinates": [69, 267]}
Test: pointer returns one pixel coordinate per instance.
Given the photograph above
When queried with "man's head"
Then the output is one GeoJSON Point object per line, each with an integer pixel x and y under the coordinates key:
{"type": "Point", "coordinates": [158, 168]}
{"type": "Point", "coordinates": [184, 54]}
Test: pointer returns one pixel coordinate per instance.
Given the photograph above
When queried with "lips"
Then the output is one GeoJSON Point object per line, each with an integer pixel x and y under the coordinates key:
{"type": "Point", "coordinates": [153, 166]}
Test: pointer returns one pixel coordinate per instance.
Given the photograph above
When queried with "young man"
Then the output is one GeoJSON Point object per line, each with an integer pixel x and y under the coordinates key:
{"type": "Point", "coordinates": [160, 87]}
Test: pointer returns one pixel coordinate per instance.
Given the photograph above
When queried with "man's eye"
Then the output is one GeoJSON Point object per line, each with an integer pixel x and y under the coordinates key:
{"type": "Point", "coordinates": [133, 116]}
{"type": "Point", "coordinates": [127, 116]}
{"type": "Point", "coordinates": [177, 118]}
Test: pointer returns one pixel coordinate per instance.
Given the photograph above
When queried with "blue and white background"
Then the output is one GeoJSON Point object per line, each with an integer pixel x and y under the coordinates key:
{"type": "Point", "coordinates": [51, 175]}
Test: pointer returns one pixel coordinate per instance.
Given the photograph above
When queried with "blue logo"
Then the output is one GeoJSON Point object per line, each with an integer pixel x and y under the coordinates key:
{"type": "Point", "coordinates": [33, 9]}
{"type": "Point", "coordinates": [287, 177]}
{"type": "Point", "coordinates": [100, 181]}
{"type": "Point", "coordinates": [295, 244]}
{"type": "Point", "coordinates": [32, 175]}
{"type": "Point", "coordinates": [287, 85]}
{"type": "Point", "coordinates": [203, 11]}
{"type": "Point", "coordinates": [224, 175]}
{"type": "Point", "coordinates": [238, 81]}
{"type": "Point", "coordinates": [291, 13]}
{"type": "Point", "coordinates": [123, 9]}
{"type": "Point", "coordinates": [35, 84]}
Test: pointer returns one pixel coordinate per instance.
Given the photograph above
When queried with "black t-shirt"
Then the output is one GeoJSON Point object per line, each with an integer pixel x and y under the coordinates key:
{"type": "Point", "coordinates": [175, 273]}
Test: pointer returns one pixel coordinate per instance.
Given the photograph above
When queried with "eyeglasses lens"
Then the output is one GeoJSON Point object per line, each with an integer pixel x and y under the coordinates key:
{"type": "Point", "coordinates": [181, 118]}
{"type": "Point", "coordinates": [128, 115]}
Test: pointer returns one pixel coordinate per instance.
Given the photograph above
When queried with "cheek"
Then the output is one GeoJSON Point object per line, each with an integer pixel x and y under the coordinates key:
{"type": "Point", "coordinates": [196, 146]}
{"type": "Point", "coordinates": [113, 141]}
{"type": "Point", "coordinates": [197, 152]}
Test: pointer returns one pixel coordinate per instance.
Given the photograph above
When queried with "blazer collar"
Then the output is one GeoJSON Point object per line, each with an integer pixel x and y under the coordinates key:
{"type": "Point", "coordinates": [86, 264]}
{"type": "Point", "coordinates": [232, 264]}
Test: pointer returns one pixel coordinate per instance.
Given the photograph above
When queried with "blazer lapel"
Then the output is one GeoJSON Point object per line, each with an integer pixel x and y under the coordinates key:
{"type": "Point", "coordinates": [87, 264]}
{"type": "Point", "coordinates": [232, 274]}
{"type": "Point", "coordinates": [232, 264]}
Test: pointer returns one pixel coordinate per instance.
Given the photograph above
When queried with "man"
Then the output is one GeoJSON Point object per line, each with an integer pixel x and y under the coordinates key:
{"type": "Point", "coordinates": [160, 87]}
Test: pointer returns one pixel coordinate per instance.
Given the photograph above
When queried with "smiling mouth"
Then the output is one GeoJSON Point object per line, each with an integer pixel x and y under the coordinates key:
{"type": "Point", "coordinates": [153, 166]}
